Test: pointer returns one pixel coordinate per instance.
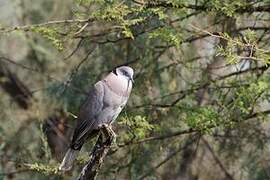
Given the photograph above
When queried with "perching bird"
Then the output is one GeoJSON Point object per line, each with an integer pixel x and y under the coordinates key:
{"type": "Point", "coordinates": [104, 103]}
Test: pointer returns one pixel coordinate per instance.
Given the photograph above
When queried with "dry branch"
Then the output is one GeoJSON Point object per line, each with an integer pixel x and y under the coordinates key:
{"type": "Point", "coordinates": [101, 148]}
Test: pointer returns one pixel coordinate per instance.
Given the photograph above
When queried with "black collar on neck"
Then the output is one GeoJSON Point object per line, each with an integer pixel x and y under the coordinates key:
{"type": "Point", "coordinates": [114, 71]}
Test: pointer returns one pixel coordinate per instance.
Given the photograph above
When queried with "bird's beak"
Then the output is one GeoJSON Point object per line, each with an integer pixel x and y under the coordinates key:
{"type": "Point", "coordinates": [131, 79]}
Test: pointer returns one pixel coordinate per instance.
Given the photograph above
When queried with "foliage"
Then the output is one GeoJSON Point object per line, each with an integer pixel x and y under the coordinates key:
{"type": "Point", "coordinates": [200, 103]}
{"type": "Point", "coordinates": [203, 119]}
{"type": "Point", "coordinates": [47, 169]}
{"type": "Point", "coordinates": [51, 34]}
{"type": "Point", "coordinates": [138, 126]}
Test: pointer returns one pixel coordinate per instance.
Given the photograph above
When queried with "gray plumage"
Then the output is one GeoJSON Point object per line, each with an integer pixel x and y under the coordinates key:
{"type": "Point", "coordinates": [104, 103]}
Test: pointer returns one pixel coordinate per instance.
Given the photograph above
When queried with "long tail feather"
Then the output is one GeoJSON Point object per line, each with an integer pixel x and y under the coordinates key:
{"type": "Point", "coordinates": [68, 160]}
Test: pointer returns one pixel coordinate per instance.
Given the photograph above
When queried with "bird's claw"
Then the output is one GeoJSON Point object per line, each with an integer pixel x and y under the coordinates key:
{"type": "Point", "coordinates": [104, 125]}
{"type": "Point", "coordinates": [108, 131]}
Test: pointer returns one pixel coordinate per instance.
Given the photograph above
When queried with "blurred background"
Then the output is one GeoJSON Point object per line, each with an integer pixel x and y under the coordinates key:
{"type": "Point", "coordinates": [200, 104]}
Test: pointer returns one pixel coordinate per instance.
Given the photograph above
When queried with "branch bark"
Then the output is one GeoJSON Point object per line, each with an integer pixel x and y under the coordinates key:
{"type": "Point", "coordinates": [101, 148]}
{"type": "Point", "coordinates": [218, 161]}
{"type": "Point", "coordinates": [49, 23]}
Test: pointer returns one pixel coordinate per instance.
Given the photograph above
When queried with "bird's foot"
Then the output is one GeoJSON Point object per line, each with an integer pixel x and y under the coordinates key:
{"type": "Point", "coordinates": [108, 132]}
{"type": "Point", "coordinates": [104, 125]}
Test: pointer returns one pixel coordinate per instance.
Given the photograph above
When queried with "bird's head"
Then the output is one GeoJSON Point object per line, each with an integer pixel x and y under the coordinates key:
{"type": "Point", "coordinates": [124, 71]}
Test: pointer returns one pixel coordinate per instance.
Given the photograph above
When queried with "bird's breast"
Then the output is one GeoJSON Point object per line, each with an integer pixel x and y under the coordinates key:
{"type": "Point", "coordinates": [119, 86]}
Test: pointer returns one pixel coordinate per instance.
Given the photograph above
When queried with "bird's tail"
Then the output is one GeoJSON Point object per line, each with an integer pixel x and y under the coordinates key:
{"type": "Point", "coordinates": [68, 160]}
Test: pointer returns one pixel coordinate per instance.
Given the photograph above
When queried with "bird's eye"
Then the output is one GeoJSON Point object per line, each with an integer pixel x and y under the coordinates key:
{"type": "Point", "coordinates": [125, 73]}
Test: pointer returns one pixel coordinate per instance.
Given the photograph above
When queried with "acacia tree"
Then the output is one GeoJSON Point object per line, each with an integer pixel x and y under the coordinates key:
{"type": "Point", "coordinates": [200, 103]}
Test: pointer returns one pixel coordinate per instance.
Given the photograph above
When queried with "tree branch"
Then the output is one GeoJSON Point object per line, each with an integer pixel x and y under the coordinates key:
{"type": "Point", "coordinates": [49, 23]}
{"type": "Point", "coordinates": [183, 132]}
{"type": "Point", "coordinates": [101, 148]}
{"type": "Point", "coordinates": [245, 9]}
{"type": "Point", "coordinates": [220, 164]}
{"type": "Point", "coordinates": [189, 142]}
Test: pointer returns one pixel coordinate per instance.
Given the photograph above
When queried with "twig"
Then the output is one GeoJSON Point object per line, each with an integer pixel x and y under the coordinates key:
{"type": "Point", "coordinates": [228, 175]}
{"type": "Point", "coordinates": [178, 133]}
{"type": "Point", "coordinates": [5, 59]}
{"type": "Point", "coordinates": [193, 139]}
{"type": "Point", "coordinates": [162, 162]}
{"type": "Point", "coordinates": [76, 69]}
{"type": "Point", "coordinates": [203, 7]}
{"type": "Point", "coordinates": [81, 29]}
{"type": "Point", "coordinates": [75, 50]}
{"type": "Point", "coordinates": [49, 23]}
{"type": "Point", "coordinates": [219, 35]}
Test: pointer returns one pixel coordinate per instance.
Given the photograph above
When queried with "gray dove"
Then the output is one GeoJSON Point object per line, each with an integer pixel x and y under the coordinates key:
{"type": "Point", "coordinates": [104, 103]}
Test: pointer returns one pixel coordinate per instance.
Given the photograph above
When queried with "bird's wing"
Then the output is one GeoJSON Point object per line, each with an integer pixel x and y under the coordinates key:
{"type": "Point", "coordinates": [89, 110]}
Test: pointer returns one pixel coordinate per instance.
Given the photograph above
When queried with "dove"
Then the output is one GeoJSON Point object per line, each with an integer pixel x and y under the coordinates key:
{"type": "Point", "coordinates": [103, 104]}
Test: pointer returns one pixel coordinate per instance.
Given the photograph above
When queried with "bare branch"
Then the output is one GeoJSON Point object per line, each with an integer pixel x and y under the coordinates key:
{"type": "Point", "coordinates": [222, 167]}
{"type": "Point", "coordinates": [194, 139]}
{"type": "Point", "coordinates": [162, 137]}
{"type": "Point", "coordinates": [101, 148]}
